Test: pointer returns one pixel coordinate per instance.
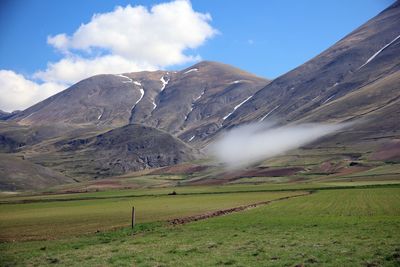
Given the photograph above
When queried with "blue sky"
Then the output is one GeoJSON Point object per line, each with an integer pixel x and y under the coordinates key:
{"type": "Point", "coordinates": [264, 37]}
{"type": "Point", "coordinates": [267, 38]}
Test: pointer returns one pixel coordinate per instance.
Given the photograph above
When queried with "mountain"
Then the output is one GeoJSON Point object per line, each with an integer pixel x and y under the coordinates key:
{"type": "Point", "coordinates": [109, 125]}
{"type": "Point", "coordinates": [6, 115]}
{"type": "Point", "coordinates": [123, 149]}
{"type": "Point", "coordinates": [191, 103]}
{"type": "Point", "coordinates": [360, 62]}
{"type": "Point", "coordinates": [16, 173]}
{"type": "Point", "coordinates": [15, 137]}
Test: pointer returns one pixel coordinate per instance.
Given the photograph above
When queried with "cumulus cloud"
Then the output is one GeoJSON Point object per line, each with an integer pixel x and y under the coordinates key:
{"type": "Point", "coordinates": [18, 93]}
{"type": "Point", "coordinates": [73, 69]}
{"type": "Point", "coordinates": [127, 39]}
{"type": "Point", "coordinates": [252, 143]}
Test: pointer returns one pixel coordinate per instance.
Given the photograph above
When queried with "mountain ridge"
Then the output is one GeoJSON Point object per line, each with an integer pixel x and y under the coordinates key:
{"type": "Point", "coordinates": [199, 96]}
{"type": "Point", "coordinates": [363, 57]}
{"type": "Point", "coordinates": [85, 131]}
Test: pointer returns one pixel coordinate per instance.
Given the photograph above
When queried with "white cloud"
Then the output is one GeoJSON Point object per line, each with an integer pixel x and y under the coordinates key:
{"type": "Point", "coordinates": [249, 144]}
{"type": "Point", "coordinates": [128, 39]}
{"type": "Point", "coordinates": [133, 38]}
{"type": "Point", "coordinates": [72, 69]}
{"type": "Point", "coordinates": [18, 93]}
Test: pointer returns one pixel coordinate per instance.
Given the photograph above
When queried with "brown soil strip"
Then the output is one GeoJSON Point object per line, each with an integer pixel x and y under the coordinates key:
{"type": "Point", "coordinates": [255, 172]}
{"type": "Point", "coordinates": [184, 168]}
{"type": "Point", "coordinates": [208, 215]}
{"type": "Point", "coordinates": [389, 151]}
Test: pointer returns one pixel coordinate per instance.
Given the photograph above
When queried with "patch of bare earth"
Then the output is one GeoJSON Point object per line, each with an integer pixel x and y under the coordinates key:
{"type": "Point", "coordinates": [256, 172]}
{"type": "Point", "coordinates": [388, 151]}
{"type": "Point", "coordinates": [185, 168]}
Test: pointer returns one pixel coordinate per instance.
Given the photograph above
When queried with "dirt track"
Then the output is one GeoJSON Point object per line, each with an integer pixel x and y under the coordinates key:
{"type": "Point", "coordinates": [217, 213]}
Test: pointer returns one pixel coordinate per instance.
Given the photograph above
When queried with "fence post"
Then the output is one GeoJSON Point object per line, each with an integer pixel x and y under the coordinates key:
{"type": "Point", "coordinates": [133, 216]}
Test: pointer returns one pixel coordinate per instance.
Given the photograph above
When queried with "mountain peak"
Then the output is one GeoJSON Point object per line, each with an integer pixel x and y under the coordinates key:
{"type": "Point", "coordinates": [199, 97]}
{"type": "Point", "coordinates": [214, 66]}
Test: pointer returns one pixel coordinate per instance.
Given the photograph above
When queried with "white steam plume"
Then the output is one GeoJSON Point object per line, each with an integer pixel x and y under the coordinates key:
{"type": "Point", "coordinates": [252, 143]}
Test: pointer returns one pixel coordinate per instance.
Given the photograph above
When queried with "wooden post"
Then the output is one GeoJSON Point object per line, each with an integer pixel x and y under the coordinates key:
{"type": "Point", "coordinates": [133, 217]}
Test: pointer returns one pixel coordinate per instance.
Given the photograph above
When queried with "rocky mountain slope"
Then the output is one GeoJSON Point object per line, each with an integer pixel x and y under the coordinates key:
{"type": "Point", "coordinates": [361, 60]}
{"type": "Point", "coordinates": [16, 173]}
{"type": "Point", "coordinates": [129, 148]}
{"type": "Point", "coordinates": [191, 103]}
{"type": "Point", "coordinates": [82, 131]}
{"type": "Point", "coordinates": [6, 115]}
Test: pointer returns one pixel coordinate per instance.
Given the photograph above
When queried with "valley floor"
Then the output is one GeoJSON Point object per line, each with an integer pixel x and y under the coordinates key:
{"type": "Point", "coordinates": [333, 226]}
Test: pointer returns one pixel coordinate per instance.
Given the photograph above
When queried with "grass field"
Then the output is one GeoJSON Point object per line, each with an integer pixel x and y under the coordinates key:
{"type": "Point", "coordinates": [332, 227]}
{"type": "Point", "coordinates": [184, 190]}
{"type": "Point", "coordinates": [67, 218]}
{"type": "Point", "coordinates": [188, 190]}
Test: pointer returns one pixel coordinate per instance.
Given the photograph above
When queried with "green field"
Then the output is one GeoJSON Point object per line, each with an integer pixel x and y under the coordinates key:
{"type": "Point", "coordinates": [183, 190]}
{"type": "Point", "coordinates": [67, 218]}
{"type": "Point", "coordinates": [188, 190]}
{"type": "Point", "coordinates": [331, 227]}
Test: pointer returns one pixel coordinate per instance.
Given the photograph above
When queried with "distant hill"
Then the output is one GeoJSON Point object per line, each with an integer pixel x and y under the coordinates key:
{"type": "Point", "coordinates": [191, 103]}
{"type": "Point", "coordinates": [6, 115]}
{"type": "Point", "coordinates": [124, 149]}
{"type": "Point", "coordinates": [19, 174]}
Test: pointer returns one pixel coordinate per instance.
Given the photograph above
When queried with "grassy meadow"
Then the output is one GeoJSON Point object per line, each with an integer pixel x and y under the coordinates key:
{"type": "Point", "coordinates": [353, 226]}
{"type": "Point", "coordinates": [57, 219]}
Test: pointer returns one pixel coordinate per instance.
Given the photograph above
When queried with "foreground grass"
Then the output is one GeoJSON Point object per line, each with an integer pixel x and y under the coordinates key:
{"type": "Point", "coordinates": [351, 227]}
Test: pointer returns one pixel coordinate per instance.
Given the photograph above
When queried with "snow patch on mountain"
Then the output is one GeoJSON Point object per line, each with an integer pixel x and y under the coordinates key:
{"type": "Point", "coordinates": [125, 77]}
{"type": "Point", "coordinates": [236, 107]}
{"type": "Point", "coordinates": [198, 98]}
{"type": "Point", "coordinates": [329, 98]}
{"type": "Point", "coordinates": [191, 70]}
{"type": "Point", "coordinates": [237, 81]}
{"type": "Point", "coordinates": [141, 96]}
{"type": "Point", "coordinates": [379, 51]}
{"type": "Point", "coordinates": [266, 115]}
{"type": "Point", "coordinates": [164, 83]}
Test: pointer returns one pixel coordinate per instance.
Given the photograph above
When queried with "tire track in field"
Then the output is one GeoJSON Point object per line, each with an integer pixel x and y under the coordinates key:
{"type": "Point", "coordinates": [212, 214]}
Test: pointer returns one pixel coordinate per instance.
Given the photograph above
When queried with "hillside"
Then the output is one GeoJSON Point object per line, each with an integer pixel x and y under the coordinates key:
{"type": "Point", "coordinates": [16, 173]}
{"type": "Point", "coordinates": [199, 98]}
{"type": "Point", "coordinates": [128, 148]}
{"type": "Point", "coordinates": [325, 88]}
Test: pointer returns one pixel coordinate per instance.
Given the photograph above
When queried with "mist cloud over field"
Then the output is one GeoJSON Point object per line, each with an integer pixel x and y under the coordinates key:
{"type": "Point", "coordinates": [251, 143]}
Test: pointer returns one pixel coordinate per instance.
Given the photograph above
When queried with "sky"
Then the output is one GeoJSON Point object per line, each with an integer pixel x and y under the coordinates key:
{"type": "Point", "coordinates": [47, 45]}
